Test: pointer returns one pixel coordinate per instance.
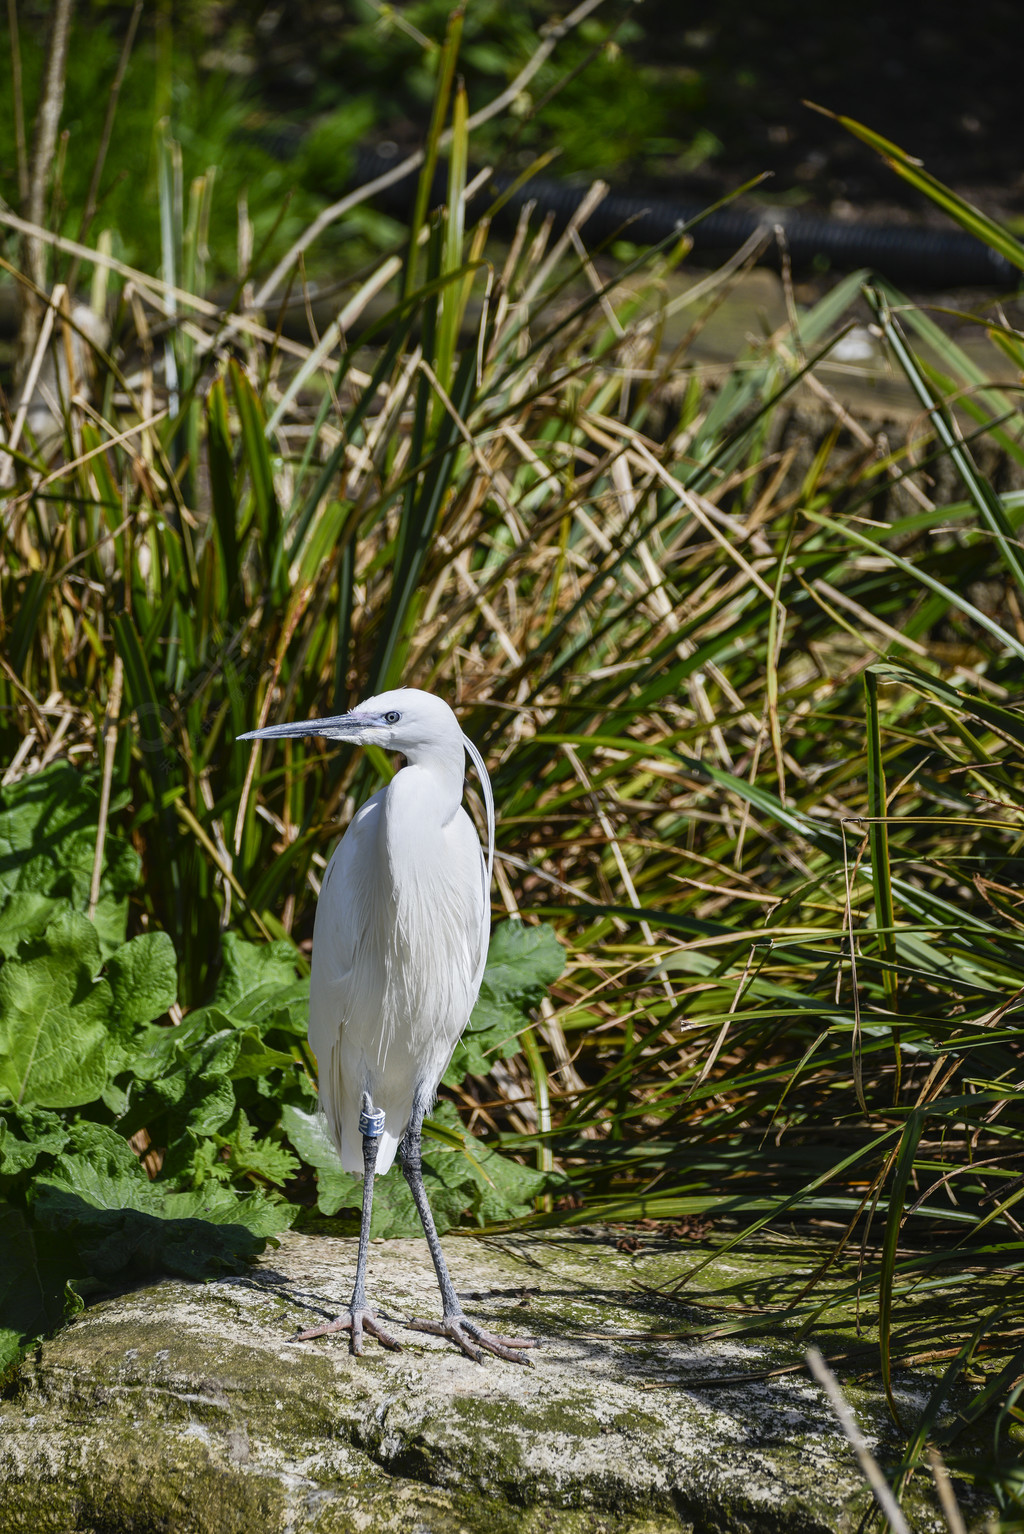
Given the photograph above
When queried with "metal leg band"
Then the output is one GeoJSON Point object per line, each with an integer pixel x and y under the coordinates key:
{"type": "Point", "coordinates": [371, 1124]}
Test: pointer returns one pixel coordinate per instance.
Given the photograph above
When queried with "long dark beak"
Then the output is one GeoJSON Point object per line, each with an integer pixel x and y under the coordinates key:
{"type": "Point", "coordinates": [338, 728]}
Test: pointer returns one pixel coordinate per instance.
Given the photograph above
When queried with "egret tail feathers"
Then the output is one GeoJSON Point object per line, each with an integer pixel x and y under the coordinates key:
{"type": "Point", "coordinates": [351, 1149]}
{"type": "Point", "coordinates": [341, 1098]}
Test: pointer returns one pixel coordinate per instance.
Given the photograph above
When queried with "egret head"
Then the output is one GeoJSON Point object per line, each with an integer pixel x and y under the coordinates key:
{"type": "Point", "coordinates": [419, 726]}
{"type": "Point", "coordinates": [407, 720]}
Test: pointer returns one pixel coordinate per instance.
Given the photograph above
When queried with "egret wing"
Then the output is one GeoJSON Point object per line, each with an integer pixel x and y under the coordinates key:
{"type": "Point", "coordinates": [348, 981]}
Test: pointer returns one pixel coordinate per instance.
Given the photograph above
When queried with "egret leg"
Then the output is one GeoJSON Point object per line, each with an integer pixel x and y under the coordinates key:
{"type": "Point", "coordinates": [454, 1324]}
{"type": "Point", "coordinates": [360, 1317]}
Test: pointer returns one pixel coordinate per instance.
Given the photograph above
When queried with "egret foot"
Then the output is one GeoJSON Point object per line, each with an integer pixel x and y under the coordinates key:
{"type": "Point", "coordinates": [460, 1329]}
{"type": "Point", "coordinates": [357, 1322]}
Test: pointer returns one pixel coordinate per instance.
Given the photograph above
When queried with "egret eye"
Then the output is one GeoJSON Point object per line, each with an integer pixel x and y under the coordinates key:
{"type": "Point", "coordinates": [392, 717]}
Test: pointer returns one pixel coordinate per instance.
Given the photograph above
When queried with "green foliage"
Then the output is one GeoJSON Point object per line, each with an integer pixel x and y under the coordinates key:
{"type": "Point", "coordinates": [80, 1051]}
{"type": "Point", "coordinates": [523, 963]}
{"type": "Point", "coordinates": [616, 113]}
{"type": "Point", "coordinates": [56, 1043]}
{"type": "Point", "coordinates": [217, 104]}
{"type": "Point", "coordinates": [597, 100]}
{"type": "Point", "coordinates": [325, 158]}
{"type": "Point", "coordinates": [165, 92]}
{"type": "Point", "coordinates": [39, 815]}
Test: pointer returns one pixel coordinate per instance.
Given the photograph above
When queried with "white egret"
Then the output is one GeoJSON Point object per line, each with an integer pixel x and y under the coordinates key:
{"type": "Point", "coordinates": [399, 947]}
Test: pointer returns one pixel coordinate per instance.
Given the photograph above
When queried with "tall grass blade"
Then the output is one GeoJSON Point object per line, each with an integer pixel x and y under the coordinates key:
{"type": "Point", "coordinates": [261, 474]}
{"type": "Point", "coordinates": [901, 1176]}
{"type": "Point", "coordinates": [223, 494]}
{"type": "Point", "coordinates": [878, 841]}
{"type": "Point", "coordinates": [912, 171]}
{"type": "Point", "coordinates": [442, 96]}
{"type": "Point", "coordinates": [987, 503]}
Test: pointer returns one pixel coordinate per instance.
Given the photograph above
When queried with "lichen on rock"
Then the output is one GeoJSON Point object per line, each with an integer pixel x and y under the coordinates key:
{"type": "Point", "coordinates": [186, 1409]}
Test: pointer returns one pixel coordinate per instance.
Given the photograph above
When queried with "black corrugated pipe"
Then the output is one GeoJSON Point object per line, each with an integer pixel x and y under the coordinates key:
{"type": "Point", "coordinates": [915, 257]}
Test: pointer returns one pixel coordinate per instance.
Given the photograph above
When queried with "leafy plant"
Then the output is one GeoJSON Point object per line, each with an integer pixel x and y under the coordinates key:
{"type": "Point", "coordinates": [165, 95]}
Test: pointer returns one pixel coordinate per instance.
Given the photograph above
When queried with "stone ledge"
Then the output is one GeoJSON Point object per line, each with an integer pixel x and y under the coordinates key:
{"type": "Point", "coordinates": [184, 1408]}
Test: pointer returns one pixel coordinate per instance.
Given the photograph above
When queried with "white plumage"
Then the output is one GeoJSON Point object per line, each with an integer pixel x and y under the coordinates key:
{"type": "Point", "coordinates": [400, 936]}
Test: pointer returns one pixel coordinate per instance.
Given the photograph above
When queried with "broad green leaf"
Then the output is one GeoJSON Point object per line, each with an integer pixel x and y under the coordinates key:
{"type": "Point", "coordinates": [217, 1055]}
{"type": "Point", "coordinates": [207, 1107]}
{"type": "Point", "coordinates": [117, 1223]}
{"type": "Point", "coordinates": [27, 1134]}
{"type": "Point", "coordinates": [157, 1052]}
{"type": "Point", "coordinates": [336, 1188]}
{"type": "Point", "coordinates": [286, 1011]}
{"type": "Point", "coordinates": [522, 960]}
{"type": "Point", "coordinates": [100, 1196]}
{"type": "Point", "coordinates": [143, 977]}
{"type": "Point", "coordinates": [253, 974]}
{"type": "Point", "coordinates": [183, 1075]}
{"type": "Point", "coordinates": [48, 845]}
{"type": "Point", "coordinates": [493, 1186]}
{"type": "Point", "coordinates": [25, 915]}
{"type": "Point", "coordinates": [243, 1221]}
{"type": "Point", "coordinates": [55, 1036]}
{"type": "Point", "coordinates": [479, 1048]}
{"type": "Point", "coordinates": [254, 1058]}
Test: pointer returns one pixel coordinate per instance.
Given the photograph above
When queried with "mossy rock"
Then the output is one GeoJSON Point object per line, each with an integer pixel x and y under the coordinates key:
{"type": "Point", "coordinates": [185, 1408]}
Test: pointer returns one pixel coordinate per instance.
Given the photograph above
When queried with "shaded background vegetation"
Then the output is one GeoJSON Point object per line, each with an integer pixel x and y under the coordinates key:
{"type": "Point", "coordinates": [699, 99]}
